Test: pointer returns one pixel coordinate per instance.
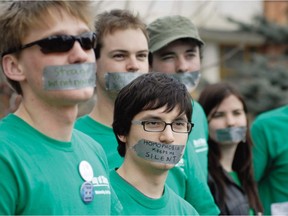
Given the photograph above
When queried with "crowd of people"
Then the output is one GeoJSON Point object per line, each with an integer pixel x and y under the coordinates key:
{"type": "Point", "coordinates": [147, 147]}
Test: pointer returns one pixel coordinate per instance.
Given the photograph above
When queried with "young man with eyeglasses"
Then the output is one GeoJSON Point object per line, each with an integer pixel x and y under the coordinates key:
{"type": "Point", "coordinates": [175, 48]}
{"type": "Point", "coordinates": [47, 57]}
{"type": "Point", "coordinates": [152, 131]}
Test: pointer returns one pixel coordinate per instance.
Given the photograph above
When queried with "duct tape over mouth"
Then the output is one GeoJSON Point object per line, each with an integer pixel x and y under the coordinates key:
{"type": "Point", "coordinates": [231, 134]}
{"type": "Point", "coordinates": [69, 77]}
{"type": "Point", "coordinates": [115, 81]}
{"type": "Point", "coordinates": [189, 79]}
{"type": "Point", "coordinates": [159, 152]}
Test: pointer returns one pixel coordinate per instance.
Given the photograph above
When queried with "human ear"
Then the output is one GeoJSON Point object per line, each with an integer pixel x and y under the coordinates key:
{"type": "Point", "coordinates": [12, 68]}
{"type": "Point", "coordinates": [122, 138]}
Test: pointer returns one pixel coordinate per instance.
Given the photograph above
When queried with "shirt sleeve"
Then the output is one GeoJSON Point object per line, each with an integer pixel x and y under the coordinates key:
{"type": "Point", "coordinates": [260, 150]}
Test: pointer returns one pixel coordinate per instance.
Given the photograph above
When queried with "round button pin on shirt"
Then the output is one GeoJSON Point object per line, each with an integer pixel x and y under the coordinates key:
{"type": "Point", "coordinates": [86, 171]}
{"type": "Point", "coordinates": [87, 192]}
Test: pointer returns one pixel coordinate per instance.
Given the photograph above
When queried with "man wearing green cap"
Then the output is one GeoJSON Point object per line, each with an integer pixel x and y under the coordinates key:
{"type": "Point", "coordinates": [175, 48]}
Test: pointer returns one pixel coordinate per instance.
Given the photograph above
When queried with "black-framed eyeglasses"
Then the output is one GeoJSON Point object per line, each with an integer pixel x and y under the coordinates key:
{"type": "Point", "coordinates": [60, 43]}
{"type": "Point", "coordinates": [159, 125]}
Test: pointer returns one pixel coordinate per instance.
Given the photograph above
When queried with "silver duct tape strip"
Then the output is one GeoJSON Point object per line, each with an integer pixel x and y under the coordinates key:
{"type": "Point", "coordinates": [232, 134]}
{"type": "Point", "coordinates": [159, 152]}
{"type": "Point", "coordinates": [189, 79]}
{"type": "Point", "coordinates": [69, 77]}
{"type": "Point", "coordinates": [117, 80]}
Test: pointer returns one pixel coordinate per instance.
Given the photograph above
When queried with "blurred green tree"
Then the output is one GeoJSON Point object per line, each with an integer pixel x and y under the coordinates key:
{"type": "Point", "coordinates": [264, 79]}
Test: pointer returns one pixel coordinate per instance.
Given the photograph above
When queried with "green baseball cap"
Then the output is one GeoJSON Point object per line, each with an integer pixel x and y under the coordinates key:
{"type": "Point", "coordinates": [170, 28]}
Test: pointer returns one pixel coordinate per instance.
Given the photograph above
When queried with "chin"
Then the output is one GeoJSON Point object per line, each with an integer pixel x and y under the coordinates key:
{"type": "Point", "coordinates": [83, 95]}
{"type": "Point", "coordinates": [229, 143]}
{"type": "Point", "coordinates": [72, 97]}
{"type": "Point", "coordinates": [163, 166]}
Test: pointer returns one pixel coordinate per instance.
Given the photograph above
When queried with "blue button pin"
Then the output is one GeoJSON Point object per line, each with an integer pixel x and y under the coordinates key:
{"type": "Point", "coordinates": [87, 192]}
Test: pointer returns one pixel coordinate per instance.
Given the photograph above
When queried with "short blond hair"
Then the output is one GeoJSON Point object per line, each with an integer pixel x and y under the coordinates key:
{"type": "Point", "coordinates": [17, 18]}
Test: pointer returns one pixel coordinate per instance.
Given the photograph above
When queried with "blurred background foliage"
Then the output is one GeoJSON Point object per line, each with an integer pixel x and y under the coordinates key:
{"type": "Point", "coordinates": [264, 79]}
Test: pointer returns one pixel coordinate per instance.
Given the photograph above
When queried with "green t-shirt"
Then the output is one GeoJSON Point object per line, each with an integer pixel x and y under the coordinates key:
{"type": "Point", "coordinates": [136, 203]}
{"type": "Point", "coordinates": [186, 179]}
{"type": "Point", "coordinates": [199, 136]}
{"type": "Point", "coordinates": [103, 135]}
{"type": "Point", "coordinates": [40, 175]}
{"type": "Point", "coordinates": [270, 156]}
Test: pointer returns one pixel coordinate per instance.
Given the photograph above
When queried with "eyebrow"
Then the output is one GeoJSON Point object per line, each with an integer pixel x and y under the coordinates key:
{"type": "Point", "coordinates": [191, 50]}
{"type": "Point", "coordinates": [173, 53]}
{"type": "Point", "coordinates": [146, 51]}
{"type": "Point", "coordinates": [126, 51]}
{"type": "Point", "coordinates": [238, 109]}
{"type": "Point", "coordinates": [166, 53]}
{"type": "Point", "coordinates": [118, 50]}
{"type": "Point", "coordinates": [122, 50]}
{"type": "Point", "coordinates": [156, 117]}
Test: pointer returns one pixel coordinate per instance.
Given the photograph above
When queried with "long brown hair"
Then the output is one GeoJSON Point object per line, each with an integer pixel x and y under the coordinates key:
{"type": "Point", "coordinates": [210, 98]}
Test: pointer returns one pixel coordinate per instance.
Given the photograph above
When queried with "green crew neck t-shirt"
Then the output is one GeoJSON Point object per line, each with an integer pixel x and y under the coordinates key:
{"type": "Point", "coordinates": [40, 175]}
{"type": "Point", "coordinates": [136, 203]}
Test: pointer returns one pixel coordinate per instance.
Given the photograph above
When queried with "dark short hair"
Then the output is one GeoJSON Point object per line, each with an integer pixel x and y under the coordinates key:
{"type": "Point", "coordinates": [148, 92]}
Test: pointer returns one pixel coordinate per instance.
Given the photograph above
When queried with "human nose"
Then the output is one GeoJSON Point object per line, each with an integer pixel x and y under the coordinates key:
{"type": "Point", "coordinates": [167, 135]}
{"type": "Point", "coordinates": [230, 120]}
{"type": "Point", "coordinates": [182, 65]}
{"type": "Point", "coordinates": [78, 55]}
{"type": "Point", "coordinates": [132, 64]}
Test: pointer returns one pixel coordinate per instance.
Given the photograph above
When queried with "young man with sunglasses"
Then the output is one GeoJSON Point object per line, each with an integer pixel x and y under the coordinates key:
{"type": "Point", "coordinates": [47, 57]}
{"type": "Point", "coordinates": [152, 131]}
{"type": "Point", "coordinates": [175, 48]}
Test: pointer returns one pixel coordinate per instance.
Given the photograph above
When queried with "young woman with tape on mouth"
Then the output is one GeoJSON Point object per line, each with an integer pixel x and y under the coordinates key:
{"type": "Point", "coordinates": [231, 179]}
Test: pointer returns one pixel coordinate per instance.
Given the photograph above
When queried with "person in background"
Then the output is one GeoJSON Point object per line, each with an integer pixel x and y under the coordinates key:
{"type": "Point", "coordinates": [122, 50]}
{"type": "Point", "coordinates": [152, 131]}
{"type": "Point", "coordinates": [47, 57]}
{"type": "Point", "coordinates": [231, 178]}
{"type": "Point", "coordinates": [176, 49]}
{"type": "Point", "coordinates": [270, 159]}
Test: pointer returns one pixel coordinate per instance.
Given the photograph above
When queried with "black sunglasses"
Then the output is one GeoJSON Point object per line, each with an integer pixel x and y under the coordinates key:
{"type": "Point", "coordinates": [60, 43]}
